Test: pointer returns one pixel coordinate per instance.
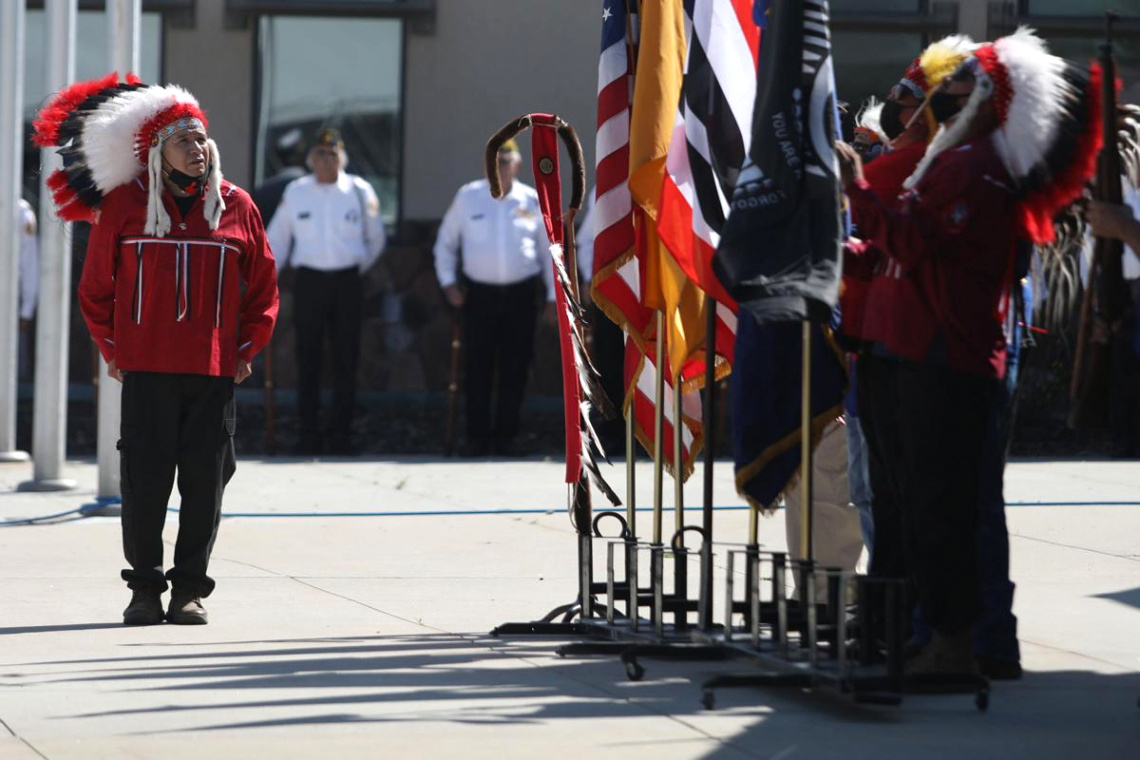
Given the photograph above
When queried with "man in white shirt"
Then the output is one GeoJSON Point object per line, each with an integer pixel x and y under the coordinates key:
{"type": "Point", "coordinates": [505, 271]}
{"type": "Point", "coordinates": [328, 227]}
{"type": "Point", "coordinates": [29, 284]}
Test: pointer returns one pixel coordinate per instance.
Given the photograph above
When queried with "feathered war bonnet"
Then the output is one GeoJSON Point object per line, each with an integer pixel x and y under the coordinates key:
{"type": "Point", "coordinates": [1049, 125]}
{"type": "Point", "coordinates": [109, 131]}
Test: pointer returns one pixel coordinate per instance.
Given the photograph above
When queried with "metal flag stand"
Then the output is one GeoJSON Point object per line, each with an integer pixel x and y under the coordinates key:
{"type": "Point", "coordinates": [851, 642]}
{"type": "Point", "coordinates": [681, 640]}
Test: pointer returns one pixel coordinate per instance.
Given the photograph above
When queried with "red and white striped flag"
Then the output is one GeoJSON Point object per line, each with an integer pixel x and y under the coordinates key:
{"type": "Point", "coordinates": [618, 272]}
{"type": "Point", "coordinates": [616, 287]}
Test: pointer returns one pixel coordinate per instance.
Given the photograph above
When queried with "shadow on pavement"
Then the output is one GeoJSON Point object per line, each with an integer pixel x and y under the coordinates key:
{"type": "Point", "coordinates": [477, 680]}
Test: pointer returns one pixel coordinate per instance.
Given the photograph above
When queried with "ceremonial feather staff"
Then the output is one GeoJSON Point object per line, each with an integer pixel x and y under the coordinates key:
{"type": "Point", "coordinates": [581, 381]}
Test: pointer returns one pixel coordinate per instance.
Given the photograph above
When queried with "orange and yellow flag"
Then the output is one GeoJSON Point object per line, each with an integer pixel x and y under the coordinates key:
{"type": "Point", "coordinates": [657, 90]}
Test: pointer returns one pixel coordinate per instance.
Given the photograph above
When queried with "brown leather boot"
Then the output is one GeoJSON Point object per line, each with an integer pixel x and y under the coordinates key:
{"type": "Point", "coordinates": [946, 653]}
{"type": "Point", "coordinates": [186, 609]}
{"type": "Point", "coordinates": [145, 608]}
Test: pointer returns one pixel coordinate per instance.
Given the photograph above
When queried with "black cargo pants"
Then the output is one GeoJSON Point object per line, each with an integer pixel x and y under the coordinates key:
{"type": "Point", "coordinates": [172, 424]}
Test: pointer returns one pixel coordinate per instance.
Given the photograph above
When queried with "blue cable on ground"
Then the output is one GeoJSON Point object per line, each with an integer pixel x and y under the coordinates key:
{"type": "Point", "coordinates": [88, 510]}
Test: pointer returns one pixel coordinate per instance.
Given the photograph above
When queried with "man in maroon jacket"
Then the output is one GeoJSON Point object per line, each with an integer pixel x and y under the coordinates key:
{"type": "Point", "coordinates": [1014, 146]}
{"type": "Point", "coordinates": [179, 292]}
{"type": "Point", "coordinates": [877, 278]}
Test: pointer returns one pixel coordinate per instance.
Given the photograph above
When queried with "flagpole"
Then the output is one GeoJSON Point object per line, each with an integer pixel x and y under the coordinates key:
{"type": "Point", "coordinates": [806, 497]}
{"type": "Point", "coordinates": [710, 446]}
{"type": "Point", "coordinates": [678, 461]}
{"type": "Point", "coordinates": [658, 430]}
{"type": "Point", "coordinates": [630, 470]}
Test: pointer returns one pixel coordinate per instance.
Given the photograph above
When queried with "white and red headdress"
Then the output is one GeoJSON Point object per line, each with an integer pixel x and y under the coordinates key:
{"type": "Point", "coordinates": [1048, 132]}
{"type": "Point", "coordinates": [109, 131]}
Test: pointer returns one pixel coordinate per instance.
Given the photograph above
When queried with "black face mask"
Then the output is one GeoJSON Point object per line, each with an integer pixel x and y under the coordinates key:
{"type": "Point", "coordinates": [944, 106]}
{"type": "Point", "coordinates": [891, 119]}
{"type": "Point", "coordinates": [186, 183]}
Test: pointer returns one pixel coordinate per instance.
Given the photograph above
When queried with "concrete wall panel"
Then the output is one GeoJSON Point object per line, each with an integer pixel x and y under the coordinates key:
{"type": "Point", "coordinates": [216, 64]}
{"type": "Point", "coordinates": [485, 63]}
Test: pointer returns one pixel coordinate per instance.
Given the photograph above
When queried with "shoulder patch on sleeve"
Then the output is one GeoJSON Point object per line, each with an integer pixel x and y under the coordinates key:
{"type": "Point", "coordinates": [959, 215]}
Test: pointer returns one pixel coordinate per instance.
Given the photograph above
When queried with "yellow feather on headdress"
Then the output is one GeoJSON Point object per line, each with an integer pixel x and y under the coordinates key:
{"type": "Point", "coordinates": [940, 60]}
{"type": "Point", "coordinates": [943, 57]}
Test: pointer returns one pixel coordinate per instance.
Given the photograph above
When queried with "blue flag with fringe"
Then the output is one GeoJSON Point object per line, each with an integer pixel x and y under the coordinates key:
{"type": "Point", "coordinates": [780, 253]}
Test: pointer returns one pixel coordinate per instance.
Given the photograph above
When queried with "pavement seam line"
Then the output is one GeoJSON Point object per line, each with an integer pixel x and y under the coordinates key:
{"type": "Point", "coordinates": [24, 741]}
{"type": "Point", "coordinates": [365, 604]}
{"type": "Point", "coordinates": [1126, 557]}
{"type": "Point", "coordinates": [1124, 669]}
{"type": "Point", "coordinates": [502, 651]}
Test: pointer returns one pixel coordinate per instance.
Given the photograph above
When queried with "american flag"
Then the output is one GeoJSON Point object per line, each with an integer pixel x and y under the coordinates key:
{"type": "Point", "coordinates": [710, 143]}
{"type": "Point", "coordinates": [617, 277]}
{"type": "Point", "coordinates": [618, 272]}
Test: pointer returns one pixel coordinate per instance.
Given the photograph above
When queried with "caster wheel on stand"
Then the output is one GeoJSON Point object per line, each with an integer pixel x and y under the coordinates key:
{"type": "Point", "coordinates": [982, 700]}
{"type": "Point", "coordinates": [633, 670]}
{"type": "Point", "coordinates": [708, 699]}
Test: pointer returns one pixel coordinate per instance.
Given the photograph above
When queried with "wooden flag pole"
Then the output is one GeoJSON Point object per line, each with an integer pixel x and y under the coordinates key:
{"type": "Point", "coordinates": [709, 416]}
{"type": "Point", "coordinates": [806, 542]}
{"type": "Point", "coordinates": [630, 472]}
{"type": "Point", "coordinates": [678, 461]}
{"type": "Point", "coordinates": [658, 431]}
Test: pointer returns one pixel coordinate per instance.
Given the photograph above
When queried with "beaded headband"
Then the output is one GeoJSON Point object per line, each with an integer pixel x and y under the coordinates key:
{"type": "Point", "coordinates": [170, 129]}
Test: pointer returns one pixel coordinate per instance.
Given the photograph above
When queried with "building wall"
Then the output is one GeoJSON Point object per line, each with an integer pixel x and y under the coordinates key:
{"type": "Point", "coordinates": [216, 64]}
{"type": "Point", "coordinates": [480, 69]}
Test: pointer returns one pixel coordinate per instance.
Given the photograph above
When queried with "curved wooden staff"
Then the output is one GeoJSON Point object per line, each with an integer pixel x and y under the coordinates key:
{"type": "Point", "coordinates": [581, 381]}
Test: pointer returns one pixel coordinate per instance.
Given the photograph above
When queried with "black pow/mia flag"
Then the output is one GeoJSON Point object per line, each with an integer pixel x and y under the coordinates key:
{"type": "Point", "coordinates": [779, 254]}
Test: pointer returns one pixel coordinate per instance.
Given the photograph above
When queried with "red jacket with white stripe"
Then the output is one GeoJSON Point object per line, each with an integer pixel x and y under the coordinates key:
{"type": "Point", "coordinates": [193, 302]}
{"type": "Point", "coordinates": [872, 280]}
{"type": "Point", "coordinates": [954, 237]}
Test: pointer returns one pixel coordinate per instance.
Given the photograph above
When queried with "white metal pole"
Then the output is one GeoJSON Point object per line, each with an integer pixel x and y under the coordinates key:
{"type": "Point", "coordinates": [11, 176]}
{"type": "Point", "coordinates": [49, 431]}
{"type": "Point", "coordinates": [123, 22]}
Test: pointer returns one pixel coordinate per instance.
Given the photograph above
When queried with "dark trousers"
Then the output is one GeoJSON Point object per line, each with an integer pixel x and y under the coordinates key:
{"type": "Point", "coordinates": [943, 426]}
{"type": "Point", "coordinates": [327, 302]}
{"type": "Point", "coordinates": [172, 424]}
{"type": "Point", "coordinates": [996, 632]}
{"type": "Point", "coordinates": [498, 340]}
{"type": "Point", "coordinates": [877, 400]}
{"type": "Point", "coordinates": [608, 354]}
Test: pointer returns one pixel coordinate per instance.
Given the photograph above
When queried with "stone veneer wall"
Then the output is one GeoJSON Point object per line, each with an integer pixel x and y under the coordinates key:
{"type": "Point", "coordinates": [408, 326]}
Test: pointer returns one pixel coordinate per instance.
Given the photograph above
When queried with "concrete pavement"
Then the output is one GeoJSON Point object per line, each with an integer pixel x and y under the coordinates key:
{"type": "Point", "coordinates": [364, 634]}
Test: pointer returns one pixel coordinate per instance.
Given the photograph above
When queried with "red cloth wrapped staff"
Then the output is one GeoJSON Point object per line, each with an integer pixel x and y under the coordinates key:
{"type": "Point", "coordinates": [581, 387]}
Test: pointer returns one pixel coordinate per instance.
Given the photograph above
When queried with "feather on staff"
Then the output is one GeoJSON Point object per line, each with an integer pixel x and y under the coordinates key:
{"type": "Point", "coordinates": [582, 389]}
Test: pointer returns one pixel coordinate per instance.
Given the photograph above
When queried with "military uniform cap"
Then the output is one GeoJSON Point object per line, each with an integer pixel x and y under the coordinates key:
{"type": "Point", "coordinates": [329, 136]}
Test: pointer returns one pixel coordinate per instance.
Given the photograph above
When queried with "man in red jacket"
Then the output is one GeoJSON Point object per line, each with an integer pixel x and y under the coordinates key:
{"type": "Point", "coordinates": [876, 284]}
{"type": "Point", "coordinates": [1017, 143]}
{"type": "Point", "coordinates": [179, 292]}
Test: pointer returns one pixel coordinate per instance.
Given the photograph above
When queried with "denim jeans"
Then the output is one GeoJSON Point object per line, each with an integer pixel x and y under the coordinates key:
{"type": "Point", "coordinates": [859, 481]}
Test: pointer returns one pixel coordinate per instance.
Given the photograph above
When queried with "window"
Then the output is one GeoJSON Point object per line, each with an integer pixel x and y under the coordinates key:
{"type": "Point", "coordinates": [1081, 41]}
{"type": "Point", "coordinates": [1080, 7]}
{"type": "Point", "coordinates": [357, 90]}
{"type": "Point", "coordinates": [870, 61]}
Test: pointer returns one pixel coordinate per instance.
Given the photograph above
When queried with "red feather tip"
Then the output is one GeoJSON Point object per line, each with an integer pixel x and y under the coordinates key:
{"type": "Point", "coordinates": [68, 205]}
{"type": "Point", "coordinates": [63, 104]}
{"type": "Point", "coordinates": [57, 180]}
